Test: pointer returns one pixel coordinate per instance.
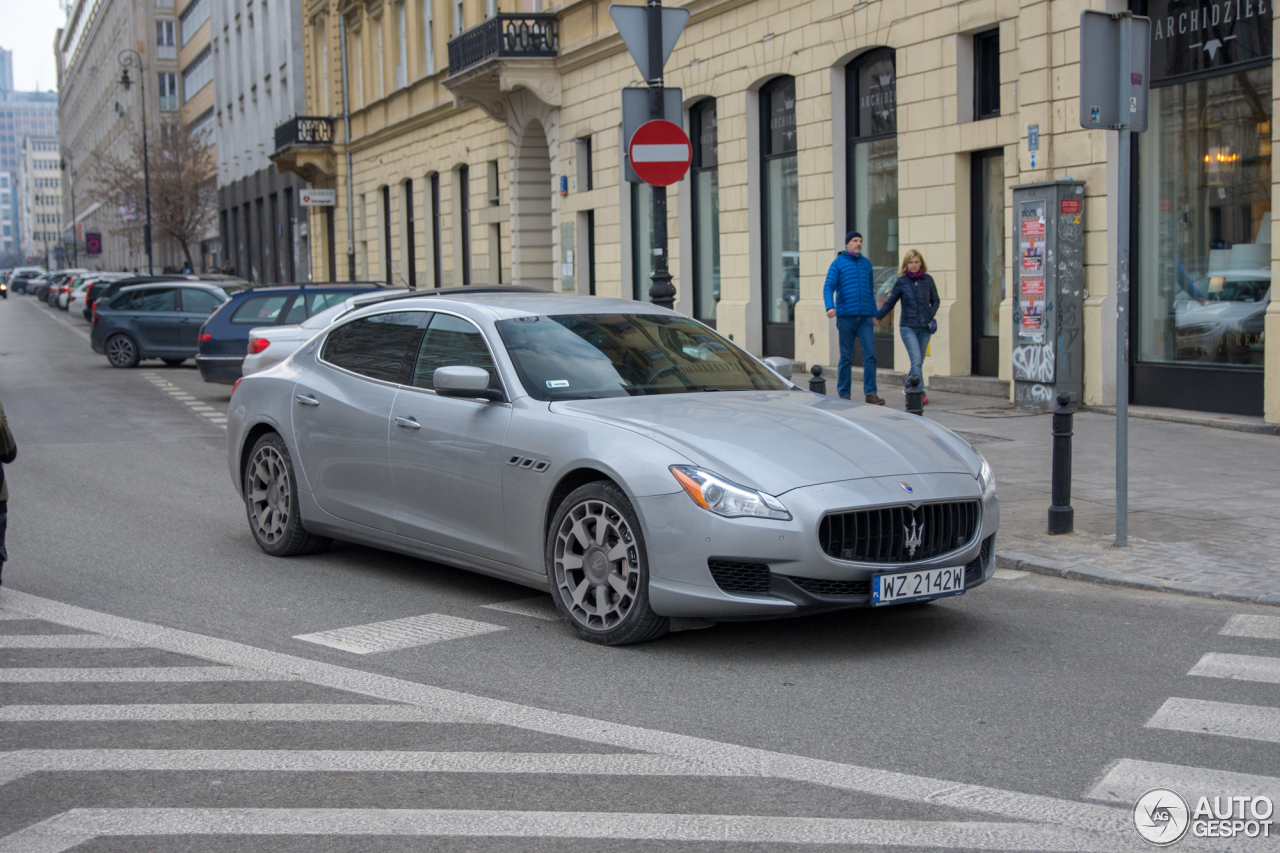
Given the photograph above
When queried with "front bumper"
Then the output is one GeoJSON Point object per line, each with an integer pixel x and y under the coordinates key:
{"type": "Point", "coordinates": [682, 539]}
{"type": "Point", "coordinates": [224, 369]}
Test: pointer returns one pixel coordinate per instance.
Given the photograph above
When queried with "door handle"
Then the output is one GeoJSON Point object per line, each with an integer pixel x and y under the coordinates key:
{"type": "Point", "coordinates": [408, 422]}
{"type": "Point", "coordinates": [306, 400]}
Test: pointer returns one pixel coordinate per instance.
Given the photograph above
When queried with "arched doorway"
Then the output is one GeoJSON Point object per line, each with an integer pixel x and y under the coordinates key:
{"type": "Point", "coordinates": [531, 210]}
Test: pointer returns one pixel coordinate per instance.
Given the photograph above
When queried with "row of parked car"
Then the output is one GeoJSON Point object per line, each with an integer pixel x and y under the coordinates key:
{"type": "Point", "coordinates": [230, 327]}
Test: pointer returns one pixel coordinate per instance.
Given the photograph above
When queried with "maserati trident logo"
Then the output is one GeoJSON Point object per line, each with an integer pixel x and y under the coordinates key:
{"type": "Point", "coordinates": [915, 535]}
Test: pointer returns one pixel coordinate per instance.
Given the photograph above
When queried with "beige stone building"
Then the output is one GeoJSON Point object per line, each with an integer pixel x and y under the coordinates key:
{"type": "Point", "coordinates": [41, 199]}
{"type": "Point", "coordinates": [486, 147]}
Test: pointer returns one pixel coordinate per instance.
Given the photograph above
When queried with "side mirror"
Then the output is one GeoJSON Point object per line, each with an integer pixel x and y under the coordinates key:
{"type": "Point", "coordinates": [469, 382]}
{"type": "Point", "coordinates": [779, 365]}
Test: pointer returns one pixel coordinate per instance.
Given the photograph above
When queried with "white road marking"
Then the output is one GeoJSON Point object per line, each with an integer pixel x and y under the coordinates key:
{"type": "Point", "coordinates": [14, 765]}
{"type": "Point", "coordinates": [1130, 779]}
{"type": "Point", "coordinates": [1238, 667]}
{"type": "Point", "coordinates": [77, 825]}
{"type": "Point", "coordinates": [105, 674]}
{"type": "Point", "coordinates": [6, 615]}
{"type": "Point", "coordinates": [223, 712]}
{"type": "Point", "coordinates": [62, 641]}
{"type": "Point", "coordinates": [541, 607]}
{"type": "Point", "coordinates": [1252, 722]}
{"type": "Point", "coordinates": [400, 633]}
{"type": "Point", "coordinates": [740, 760]}
{"type": "Point", "coordinates": [1264, 627]}
{"type": "Point", "coordinates": [1009, 575]}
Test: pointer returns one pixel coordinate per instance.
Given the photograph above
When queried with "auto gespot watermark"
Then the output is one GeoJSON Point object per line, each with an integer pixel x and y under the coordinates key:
{"type": "Point", "coordinates": [1163, 817]}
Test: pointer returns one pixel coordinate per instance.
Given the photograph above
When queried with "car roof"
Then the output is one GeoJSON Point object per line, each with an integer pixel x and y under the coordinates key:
{"type": "Point", "coordinates": [509, 302]}
{"type": "Point", "coordinates": [203, 285]}
{"type": "Point", "coordinates": [293, 287]}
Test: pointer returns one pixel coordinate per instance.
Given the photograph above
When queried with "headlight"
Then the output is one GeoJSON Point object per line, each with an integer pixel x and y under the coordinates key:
{"type": "Point", "coordinates": [986, 478]}
{"type": "Point", "coordinates": [727, 498]}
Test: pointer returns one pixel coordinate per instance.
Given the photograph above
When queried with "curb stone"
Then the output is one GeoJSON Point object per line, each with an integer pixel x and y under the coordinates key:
{"type": "Point", "coordinates": [1129, 580]}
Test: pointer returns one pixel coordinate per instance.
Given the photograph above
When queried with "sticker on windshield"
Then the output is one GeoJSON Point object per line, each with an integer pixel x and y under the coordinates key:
{"type": "Point", "coordinates": [557, 383]}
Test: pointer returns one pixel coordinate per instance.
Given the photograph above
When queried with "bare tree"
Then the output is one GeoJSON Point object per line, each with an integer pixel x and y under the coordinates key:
{"type": "Point", "coordinates": [183, 199]}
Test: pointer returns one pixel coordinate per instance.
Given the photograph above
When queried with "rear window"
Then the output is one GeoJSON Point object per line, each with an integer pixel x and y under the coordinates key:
{"type": "Point", "coordinates": [260, 310]}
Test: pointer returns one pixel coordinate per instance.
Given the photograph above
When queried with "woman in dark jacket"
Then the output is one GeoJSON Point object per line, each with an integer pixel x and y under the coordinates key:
{"type": "Point", "coordinates": [919, 296]}
{"type": "Point", "coordinates": [8, 450]}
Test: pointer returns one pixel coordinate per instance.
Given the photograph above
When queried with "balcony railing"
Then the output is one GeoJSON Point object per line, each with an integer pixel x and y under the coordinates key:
{"type": "Point", "coordinates": [535, 36]}
{"type": "Point", "coordinates": [305, 130]}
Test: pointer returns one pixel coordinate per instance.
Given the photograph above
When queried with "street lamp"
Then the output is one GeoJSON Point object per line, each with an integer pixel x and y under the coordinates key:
{"type": "Point", "coordinates": [130, 58]}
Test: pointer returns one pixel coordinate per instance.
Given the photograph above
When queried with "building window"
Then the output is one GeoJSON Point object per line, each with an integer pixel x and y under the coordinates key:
{"type": "Point", "coordinates": [435, 230]}
{"type": "Point", "coordinates": [198, 74]}
{"type": "Point", "coordinates": [168, 89]}
{"type": "Point", "coordinates": [706, 210]}
{"type": "Point", "coordinates": [458, 20]}
{"type": "Point", "coordinates": [586, 170]}
{"type": "Point", "coordinates": [402, 59]}
{"type": "Point", "coordinates": [386, 233]}
{"type": "Point", "coordinates": [780, 195]}
{"type": "Point", "coordinates": [190, 20]}
{"type": "Point", "coordinates": [1204, 269]}
{"type": "Point", "coordinates": [165, 48]}
{"type": "Point", "coordinates": [871, 120]}
{"type": "Point", "coordinates": [428, 37]}
{"type": "Point", "coordinates": [986, 74]}
{"type": "Point", "coordinates": [410, 261]}
{"type": "Point", "coordinates": [464, 222]}
{"type": "Point", "coordinates": [379, 58]}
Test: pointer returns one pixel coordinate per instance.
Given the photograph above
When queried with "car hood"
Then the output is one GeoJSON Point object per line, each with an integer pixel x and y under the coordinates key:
{"type": "Point", "coordinates": [778, 441]}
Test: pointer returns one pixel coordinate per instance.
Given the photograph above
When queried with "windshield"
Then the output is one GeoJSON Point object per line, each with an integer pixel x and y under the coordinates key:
{"type": "Point", "coordinates": [328, 315]}
{"type": "Point", "coordinates": [585, 356]}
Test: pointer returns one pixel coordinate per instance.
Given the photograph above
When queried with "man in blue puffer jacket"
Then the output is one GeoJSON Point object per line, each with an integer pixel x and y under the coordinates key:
{"type": "Point", "coordinates": [850, 297]}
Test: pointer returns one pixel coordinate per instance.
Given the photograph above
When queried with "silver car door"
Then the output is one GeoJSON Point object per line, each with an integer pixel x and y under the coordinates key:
{"type": "Point", "coordinates": [342, 415]}
{"type": "Point", "coordinates": [446, 452]}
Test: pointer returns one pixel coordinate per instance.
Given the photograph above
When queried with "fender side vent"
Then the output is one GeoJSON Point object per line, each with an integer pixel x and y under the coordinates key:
{"type": "Point", "coordinates": [734, 576]}
{"type": "Point", "coordinates": [528, 463]}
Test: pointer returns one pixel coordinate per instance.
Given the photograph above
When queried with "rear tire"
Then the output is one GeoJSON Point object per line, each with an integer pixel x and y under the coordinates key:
{"type": "Point", "coordinates": [599, 569]}
{"type": "Point", "coordinates": [271, 501]}
{"type": "Point", "coordinates": [122, 352]}
{"type": "Point", "coordinates": [172, 362]}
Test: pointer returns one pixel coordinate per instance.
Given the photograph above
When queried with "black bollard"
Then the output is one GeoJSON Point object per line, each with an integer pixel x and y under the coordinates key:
{"type": "Point", "coordinates": [817, 384]}
{"type": "Point", "coordinates": [915, 396]}
{"type": "Point", "coordinates": [1062, 518]}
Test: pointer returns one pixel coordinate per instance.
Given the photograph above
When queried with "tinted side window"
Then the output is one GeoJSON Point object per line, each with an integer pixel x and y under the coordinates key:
{"type": "Point", "coordinates": [260, 310]}
{"type": "Point", "coordinates": [374, 346]}
{"type": "Point", "coordinates": [196, 301]}
{"type": "Point", "coordinates": [450, 342]}
{"type": "Point", "coordinates": [317, 302]}
{"type": "Point", "coordinates": [154, 299]}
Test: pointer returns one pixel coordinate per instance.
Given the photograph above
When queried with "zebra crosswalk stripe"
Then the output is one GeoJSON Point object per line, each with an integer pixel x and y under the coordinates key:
{"type": "Point", "coordinates": [1130, 779]}
{"type": "Point", "coordinates": [1246, 625]}
{"type": "Point", "coordinates": [104, 674]}
{"type": "Point", "coordinates": [1252, 722]}
{"type": "Point", "coordinates": [229, 712]}
{"type": "Point", "coordinates": [62, 641]}
{"type": "Point", "coordinates": [1238, 667]}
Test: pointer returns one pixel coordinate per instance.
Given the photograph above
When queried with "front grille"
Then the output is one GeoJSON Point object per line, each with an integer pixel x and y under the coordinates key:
{"type": "Point", "coordinates": [881, 535]}
{"type": "Point", "coordinates": [733, 576]}
{"type": "Point", "coordinates": [822, 586]}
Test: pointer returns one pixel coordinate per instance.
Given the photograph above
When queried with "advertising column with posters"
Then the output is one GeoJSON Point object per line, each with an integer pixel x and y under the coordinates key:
{"type": "Point", "coordinates": [1048, 308]}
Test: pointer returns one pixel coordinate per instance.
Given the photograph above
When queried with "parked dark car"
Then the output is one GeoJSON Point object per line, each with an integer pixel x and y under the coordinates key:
{"type": "Point", "coordinates": [159, 320]}
{"type": "Point", "coordinates": [114, 287]}
{"type": "Point", "coordinates": [21, 275]}
{"type": "Point", "coordinates": [224, 340]}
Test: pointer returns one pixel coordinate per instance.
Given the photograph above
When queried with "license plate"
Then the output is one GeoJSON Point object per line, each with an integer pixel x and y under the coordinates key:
{"type": "Point", "coordinates": [916, 586]}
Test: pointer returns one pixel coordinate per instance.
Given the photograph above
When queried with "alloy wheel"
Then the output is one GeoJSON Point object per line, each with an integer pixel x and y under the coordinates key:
{"type": "Point", "coordinates": [597, 565]}
{"type": "Point", "coordinates": [268, 494]}
{"type": "Point", "coordinates": [120, 351]}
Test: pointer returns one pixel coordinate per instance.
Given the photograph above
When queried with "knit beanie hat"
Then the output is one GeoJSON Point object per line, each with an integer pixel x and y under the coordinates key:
{"type": "Point", "coordinates": [850, 236]}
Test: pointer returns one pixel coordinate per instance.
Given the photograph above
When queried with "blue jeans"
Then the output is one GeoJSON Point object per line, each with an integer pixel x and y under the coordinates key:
{"type": "Point", "coordinates": [917, 342]}
{"type": "Point", "coordinates": [862, 328]}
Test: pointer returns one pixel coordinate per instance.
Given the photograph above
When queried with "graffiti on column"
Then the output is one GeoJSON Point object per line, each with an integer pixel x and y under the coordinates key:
{"type": "Point", "coordinates": [1033, 363]}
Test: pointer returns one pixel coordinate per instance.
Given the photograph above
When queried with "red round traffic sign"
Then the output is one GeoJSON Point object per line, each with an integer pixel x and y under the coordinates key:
{"type": "Point", "coordinates": [660, 153]}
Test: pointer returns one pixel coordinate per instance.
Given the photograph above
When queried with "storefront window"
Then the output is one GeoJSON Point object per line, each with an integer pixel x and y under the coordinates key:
{"type": "Point", "coordinates": [1204, 268]}
{"type": "Point", "coordinates": [871, 84]}
{"type": "Point", "coordinates": [706, 211]}
{"type": "Point", "coordinates": [781, 216]}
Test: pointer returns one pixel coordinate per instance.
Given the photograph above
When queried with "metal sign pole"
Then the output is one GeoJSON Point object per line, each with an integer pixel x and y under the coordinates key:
{"type": "Point", "coordinates": [1122, 283]}
{"type": "Point", "coordinates": [661, 291]}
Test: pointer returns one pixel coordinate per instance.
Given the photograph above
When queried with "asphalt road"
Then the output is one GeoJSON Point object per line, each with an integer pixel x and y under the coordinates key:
{"type": "Point", "coordinates": [1027, 714]}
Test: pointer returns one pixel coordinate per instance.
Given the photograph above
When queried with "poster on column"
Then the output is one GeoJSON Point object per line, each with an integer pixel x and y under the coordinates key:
{"type": "Point", "coordinates": [1032, 308]}
{"type": "Point", "coordinates": [1031, 243]}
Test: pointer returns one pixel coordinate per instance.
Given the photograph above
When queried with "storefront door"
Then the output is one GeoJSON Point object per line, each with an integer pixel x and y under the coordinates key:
{"type": "Point", "coordinates": [986, 252]}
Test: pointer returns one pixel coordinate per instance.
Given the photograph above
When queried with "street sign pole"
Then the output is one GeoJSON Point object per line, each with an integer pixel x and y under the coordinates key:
{"type": "Point", "coordinates": [661, 292]}
{"type": "Point", "coordinates": [1122, 288]}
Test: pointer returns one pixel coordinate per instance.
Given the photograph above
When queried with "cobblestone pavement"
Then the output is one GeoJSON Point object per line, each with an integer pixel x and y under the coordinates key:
{"type": "Point", "coordinates": [1204, 503]}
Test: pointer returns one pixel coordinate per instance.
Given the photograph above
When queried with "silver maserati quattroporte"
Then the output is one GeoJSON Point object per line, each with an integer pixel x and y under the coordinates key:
{"type": "Point", "coordinates": [640, 467]}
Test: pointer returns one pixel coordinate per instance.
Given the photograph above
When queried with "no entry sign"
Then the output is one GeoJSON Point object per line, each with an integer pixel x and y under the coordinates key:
{"type": "Point", "coordinates": [660, 153]}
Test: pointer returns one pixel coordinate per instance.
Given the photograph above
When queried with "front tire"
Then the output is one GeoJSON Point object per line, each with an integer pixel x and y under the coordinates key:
{"type": "Point", "coordinates": [271, 501]}
{"type": "Point", "coordinates": [599, 569]}
{"type": "Point", "coordinates": [122, 352]}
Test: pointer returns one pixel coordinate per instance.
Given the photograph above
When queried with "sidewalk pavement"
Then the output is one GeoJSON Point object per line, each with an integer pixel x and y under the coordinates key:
{"type": "Point", "coordinates": [1204, 502]}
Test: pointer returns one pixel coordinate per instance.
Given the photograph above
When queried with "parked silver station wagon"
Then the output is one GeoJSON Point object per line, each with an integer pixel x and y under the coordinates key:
{"type": "Point", "coordinates": [644, 470]}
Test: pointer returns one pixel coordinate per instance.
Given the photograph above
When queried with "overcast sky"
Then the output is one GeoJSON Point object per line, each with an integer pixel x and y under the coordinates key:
{"type": "Point", "coordinates": [27, 30]}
